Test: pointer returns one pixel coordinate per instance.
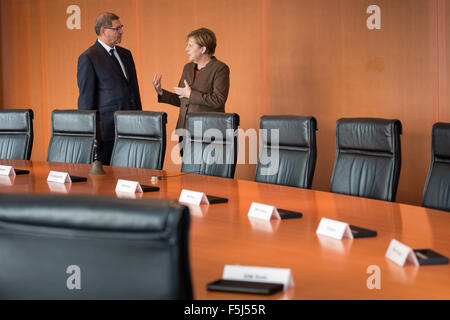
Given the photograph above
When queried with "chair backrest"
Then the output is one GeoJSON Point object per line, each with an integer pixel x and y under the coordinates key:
{"type": "Point", "coordinates": [73, 136]}
{"type": "Point", "coordinates": [140, 140]}
{"type": "Point", "coordinates": [436, 193]}
{"type": "Point", "coordinates": [16, 134]}
{"type": "Point", "coordinates": [368, 158]}
{"type": "Point", "coordinates": [211, 144]}
{"type": "Point", "coordinates": [296, 147]}
{"type": "Point", "coordinates": [83, 247]}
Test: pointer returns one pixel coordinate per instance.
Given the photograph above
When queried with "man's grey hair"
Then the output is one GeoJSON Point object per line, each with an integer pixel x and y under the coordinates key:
{"type": "Point", "coordinates": [105, 19]}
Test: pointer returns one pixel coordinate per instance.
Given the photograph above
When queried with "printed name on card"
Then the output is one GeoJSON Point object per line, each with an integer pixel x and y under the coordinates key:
{"type": "Point", "coordinates": [58, 177]}
{"type": "Point", "coordinates": [400, 253]}
{"type": "Point", "coordinates": [193, 197]}
{"type": "Point", "coordinates": [127, 186]}
{"type": "Point", "coordinates": [263, 211]}
{"type": "Point", "coordinates": [7, 171]}
{"type": "Point", "coordinates": [258, 274]}
{"type": "Point", "coordinates": [334, 229]}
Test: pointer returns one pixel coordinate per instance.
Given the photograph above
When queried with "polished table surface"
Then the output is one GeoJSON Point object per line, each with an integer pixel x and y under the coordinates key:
{"type": "Point", "coordinates": [322, 267]}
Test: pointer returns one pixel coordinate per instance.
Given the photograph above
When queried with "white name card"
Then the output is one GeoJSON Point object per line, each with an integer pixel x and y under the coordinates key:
{"type": "Point", "coordinates": [400, 253]}
{"type": "Point", "coordinates": [334, 229]}
{"type": "Point", "coordinates": [58, 177]}
{"type": "Point", "coordinates": [263, 211]}
{"type": "Point", "coordinates": [258, 274]}
{"type": "Point", "coordinates": [193, 197]}
{"type": "Point", "coordinates": [127, 186]}
{"type": "Point", "coordinates": [7, 171]}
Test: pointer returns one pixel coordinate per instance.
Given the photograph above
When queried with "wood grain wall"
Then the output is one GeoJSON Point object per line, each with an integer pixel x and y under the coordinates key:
{"type": "Point", "coordinates": [286, 57]}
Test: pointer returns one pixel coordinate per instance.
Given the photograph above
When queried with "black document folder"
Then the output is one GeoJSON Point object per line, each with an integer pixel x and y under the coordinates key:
{"type": "Point", "coordinates": [21, 171]}
{"type": "Point", "coordinates": [359, 232]}
{"type": "Point", "coordinates": [214, 199]}
{"type": "Point", "coordinates": [244, 287]}
{"type": "Point", "coordinates": [287, 214]}
{"type": "Point", "coordinates": [429, 257]}
{"type": "Point", "coordinates": [78, 179]}
{"type": "Point", "coordinates": [149, 188]}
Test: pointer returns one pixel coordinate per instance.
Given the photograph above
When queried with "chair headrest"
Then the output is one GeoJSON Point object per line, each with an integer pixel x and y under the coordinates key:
{"type": "Point", "coordinates": [294, 130]}
{"type": "Point", "coordinates": [368, 134]}
{"type": "Point", "coordinates": [225, 123]}
{"type": "Point", "coordinates": [15, 120]}
{"type": "Point", "coordinates": [140, 123]}
{"type": "Point", "coordinates": [74, 121]}
{"type": "Point", "coordinates": [87, 212]}
{"type": "Point", "coordinates": [441, 139]}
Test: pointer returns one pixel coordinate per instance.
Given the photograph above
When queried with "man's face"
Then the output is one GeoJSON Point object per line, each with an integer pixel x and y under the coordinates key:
{"type": "Point", "coordinates": [113, 35]}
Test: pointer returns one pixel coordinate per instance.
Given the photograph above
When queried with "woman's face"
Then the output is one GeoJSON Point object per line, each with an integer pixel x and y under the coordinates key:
{"type": "Point", "coordinates": [193, 50]}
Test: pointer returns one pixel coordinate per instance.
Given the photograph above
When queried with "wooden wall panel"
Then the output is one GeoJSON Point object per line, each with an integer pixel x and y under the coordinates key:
{"type": "Point", "coordinates": [16, 70]}
{"type": "Point", "coordinates": [444, 49]}
{"type": "Point", "coordinates": [1, 60]}
{"type": "Point", "coordinates": [286, 57]}
{"type": "Point", "coordinates": [342, 69]}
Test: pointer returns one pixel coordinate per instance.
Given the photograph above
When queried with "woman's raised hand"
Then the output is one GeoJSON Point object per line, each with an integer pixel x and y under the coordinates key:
{"type": "Point", "coordinates": [157, 83]}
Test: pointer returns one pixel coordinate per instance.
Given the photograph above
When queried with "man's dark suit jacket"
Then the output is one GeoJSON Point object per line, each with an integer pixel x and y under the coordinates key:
{"type": "Point", "coordinates": [103, 86]}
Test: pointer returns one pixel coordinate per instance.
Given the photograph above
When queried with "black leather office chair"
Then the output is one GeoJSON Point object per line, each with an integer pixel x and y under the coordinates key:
{"type": "Point", "coordinates": [140, 140]}
{"type": "Point", "coordinates": [296, 151]}
{"type": "Point", "coordinates": [368, 158]}
{"type": "Point", "coordinates": [123, 249]}
{"type": "Point", "coordinates": [436, 193]}
{"type": "Point", "coordinates": [73, 136]}
{"type": "Point", "coordinates": [211, 146]}
{"type": "Point", "coordinates": [16, 134]}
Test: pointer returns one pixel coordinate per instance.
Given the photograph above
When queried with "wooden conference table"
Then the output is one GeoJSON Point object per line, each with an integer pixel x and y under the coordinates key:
{"type": "Point", "coordinates": [322, 268]}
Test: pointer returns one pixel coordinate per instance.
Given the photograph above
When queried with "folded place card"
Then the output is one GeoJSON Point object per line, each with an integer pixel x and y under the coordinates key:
{"type": "Point", "coordinates": [334, 229]}
{"type": "Point", "coordinates": [7, 171]}
{"type": "Point", "coordinates": [58, 177]}
{"type": "Point", "coordinates": [193, 197]}
{"type": "Point", "coordinates": [127, 186]}
{"type": "Point", "coordinates": [258, 274]}
{"type": "Point", "coordinates": [263, 211]}
{"type": "Point", "coordinates": [400, 253]}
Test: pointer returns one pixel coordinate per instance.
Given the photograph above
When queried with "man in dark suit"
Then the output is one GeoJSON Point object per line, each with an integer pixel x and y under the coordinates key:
{"type": "Point", "coordinates": [107, 80]}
